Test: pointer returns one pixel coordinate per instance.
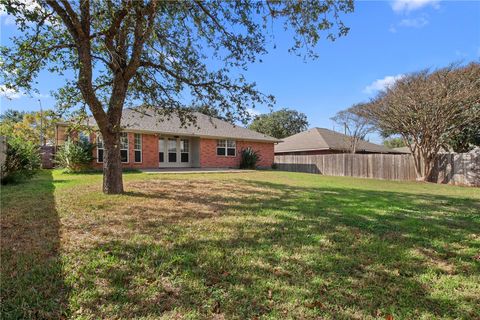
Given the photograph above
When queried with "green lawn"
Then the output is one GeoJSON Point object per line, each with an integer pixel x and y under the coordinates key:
{"type": "Point", "coordinates": [256, 245]}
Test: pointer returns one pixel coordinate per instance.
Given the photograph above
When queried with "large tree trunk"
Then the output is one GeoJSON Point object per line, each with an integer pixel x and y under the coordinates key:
{"type": "Point", "coordinates": [419, 164]}
{"type": "Point", "coordinates": [112, 166]}
{"type": "Point", "coordinates": [428, 168]}
{"type": "Point", "coordinates": [424, 165]}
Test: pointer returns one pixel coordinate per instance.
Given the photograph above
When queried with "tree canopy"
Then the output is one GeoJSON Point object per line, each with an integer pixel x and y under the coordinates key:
{"type": "Point", "coordinates": [12, 115]}
{"type": "Point", "coordinates": [465, 138]}
{"type": "Point", "coordinates": [394, 142]}
{"type": "Point", "coordinates": [30, 126]}
{"type": "Point", "coordinates": [427, 109]}
{"type": "Point", "coordinates": [356, 126]}
{"type": "Point", "coordinates": [166, 55]}
{"type": "Point", "coordinates": [280, 124]}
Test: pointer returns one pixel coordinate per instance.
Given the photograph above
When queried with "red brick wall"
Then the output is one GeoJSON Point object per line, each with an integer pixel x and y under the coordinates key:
{"type": "Point", "coordinates": [209, 158]}
{"type": "Point", "coordinates": [149, 152]}
{"type": "Point", "coordinates": [208, 153]}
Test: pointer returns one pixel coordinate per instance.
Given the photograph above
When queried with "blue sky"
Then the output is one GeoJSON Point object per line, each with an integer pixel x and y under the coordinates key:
{"type": "Point", "coordinates": [386, 39]}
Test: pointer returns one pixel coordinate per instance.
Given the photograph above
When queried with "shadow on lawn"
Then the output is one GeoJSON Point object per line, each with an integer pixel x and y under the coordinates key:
{"type": "Point", "coordinates": [32, 285]}
{"type": "Point", "coordinates": [290, 252]}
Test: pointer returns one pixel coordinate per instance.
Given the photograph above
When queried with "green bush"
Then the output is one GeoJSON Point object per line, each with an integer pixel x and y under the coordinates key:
{"type": "Point", "coordinates": [249, 159]}
{"type": "Point", "coordinates": [22, 160]}
{"type": "Point", "coordinates": [75, 156]}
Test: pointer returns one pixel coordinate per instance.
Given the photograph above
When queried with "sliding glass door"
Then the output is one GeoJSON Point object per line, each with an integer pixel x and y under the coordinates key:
{"type": "Point", "coordinates": [174, 152]}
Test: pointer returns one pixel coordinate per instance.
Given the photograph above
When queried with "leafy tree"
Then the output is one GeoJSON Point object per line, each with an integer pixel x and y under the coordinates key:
{"type": "Point", "coordinates": [22, 160]}
{"type": "Point", "coordinates": [394, 142]}
{"type": "Point", "coordinates": [465, 138]}
{"type": "Point", "coordinates": [156, 52]}
{"type": "Point", "coordinates": [280, 124]}
{"type": "Point", "coordinates": [356, 126]}
{"type": "Point", "coordinates": [427, 109]}
{"type": "Point", "coordinates": [31, 126]}
{"type": "Point", "coordinates": [12, 115]}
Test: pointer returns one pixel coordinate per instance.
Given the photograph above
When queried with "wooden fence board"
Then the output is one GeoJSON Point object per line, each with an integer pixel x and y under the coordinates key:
{"type": "Point", "coordinates": [461, 169]}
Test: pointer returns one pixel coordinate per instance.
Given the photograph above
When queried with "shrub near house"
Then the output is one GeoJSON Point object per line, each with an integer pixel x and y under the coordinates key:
{"type": "Point", "coordinates": [75, 156]}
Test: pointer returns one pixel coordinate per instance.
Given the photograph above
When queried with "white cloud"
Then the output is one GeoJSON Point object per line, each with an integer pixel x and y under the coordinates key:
{"type": "Point", "coordinates": [400, 6]}
{"type": "Point", "coordinates": [414, 23]}
{"type": "Point", "coordinates": [29, 5]}
{"type": "Point", "coordinates": [10, 93]}
{"type": "Point", "coordinates": [382, 84]}
{"type": "Point", "coordinates": [253, 112]}
{"type": "Point", "coordinates": [41, 95]}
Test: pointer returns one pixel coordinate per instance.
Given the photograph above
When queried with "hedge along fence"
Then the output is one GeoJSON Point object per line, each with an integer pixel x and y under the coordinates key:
{"type": "Point", "coordinates": [46, 153]}
{"type": "Point", "coordinates": [3, 150]}
{"type": "Point", "coordinates": [462, 169]}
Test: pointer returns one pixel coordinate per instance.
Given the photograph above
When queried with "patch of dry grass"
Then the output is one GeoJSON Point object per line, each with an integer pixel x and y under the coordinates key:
{"type": "Point", "coordinates": [260, 245]}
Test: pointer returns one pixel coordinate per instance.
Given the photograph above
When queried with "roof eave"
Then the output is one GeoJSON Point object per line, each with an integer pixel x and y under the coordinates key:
{"type": "Point", "coordinates": [273, 140]}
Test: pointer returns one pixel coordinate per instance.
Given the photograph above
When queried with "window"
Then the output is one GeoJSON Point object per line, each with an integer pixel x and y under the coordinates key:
{"type": "Point", "coordinates": [184, 150]}
{"type": "Point", "coordinates": [161, 150]}
{"type": "Point", "coordinates": [124, 146]}
{"type": "Point", "coordinates": [99, 148]}
{"type": "Point", "coordinates": [172, 150]}
{"type": "Point", "coordinates": [221, 147]}
{"type": "Point", "coordinates": [231, 148]}
{"type": "Point", "coordinates": [226, 148]}
{"type": "Point", "coordinates": [137, 147]}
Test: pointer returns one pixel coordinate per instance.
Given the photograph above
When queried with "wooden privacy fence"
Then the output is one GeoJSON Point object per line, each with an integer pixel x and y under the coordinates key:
{"type": "Point", "coordinates": [450, 168]}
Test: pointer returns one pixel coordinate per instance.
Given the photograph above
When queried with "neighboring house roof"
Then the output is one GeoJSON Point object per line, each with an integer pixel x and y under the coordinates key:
{"type": "Point", "coordinates": [402, 150]}
{"type": "Point", "coordinates": [324, 139]}
{"type": "Point", "coordinates": [147, 121]}
{"type": "Point", "coordinates": [407, 150]}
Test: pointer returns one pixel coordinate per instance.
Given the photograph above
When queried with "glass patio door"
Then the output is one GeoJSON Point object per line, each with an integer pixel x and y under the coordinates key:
{"type": "Point", "coordinates": [174, 152]}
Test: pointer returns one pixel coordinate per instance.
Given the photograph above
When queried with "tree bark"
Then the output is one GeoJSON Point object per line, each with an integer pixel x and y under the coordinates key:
{"type": "Point", "coordinates": [112, 165]}
{"type": "Point", "coordinates": [418, 162]}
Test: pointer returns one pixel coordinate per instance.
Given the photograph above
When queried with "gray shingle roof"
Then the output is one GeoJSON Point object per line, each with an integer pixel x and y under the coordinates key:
{"type": "Point", "coordinates": [402, 150]}
{"type": "Point", "coordinates": [206, 126]}
{"type": "Point", "coordinates": [324, 139]}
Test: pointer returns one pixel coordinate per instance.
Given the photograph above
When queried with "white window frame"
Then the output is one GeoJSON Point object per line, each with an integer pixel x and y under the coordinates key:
{"type": "Point", "coordinates": [162, 150]}
{"type": "Point", "coordinates": [234, 147]}
{"type": "Point", "coordinates": [226, 147]}
{"type": "Point", "coordinates": [99, 140]}
{"type": "Point", "coordinates": [168, 150]}
{"type": "Point", "coordinates": [122, 135]}
{"type": "Point", "coordinates": [139, 135]}
{"type": "Point", "coordinates": [187, 141]}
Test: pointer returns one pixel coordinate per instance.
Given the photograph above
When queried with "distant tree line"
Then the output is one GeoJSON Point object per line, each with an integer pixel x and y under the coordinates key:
{"type": "Point", "coordinates": [29, 126]}
{"type": "Point", "coordinates": [280, 124]}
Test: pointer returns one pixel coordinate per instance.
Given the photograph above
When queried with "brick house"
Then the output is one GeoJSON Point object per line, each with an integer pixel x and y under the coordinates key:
{"type": "Point", "coordinates": [148, 141]}
{"type": "Point", "coordinates": [324, 141]}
